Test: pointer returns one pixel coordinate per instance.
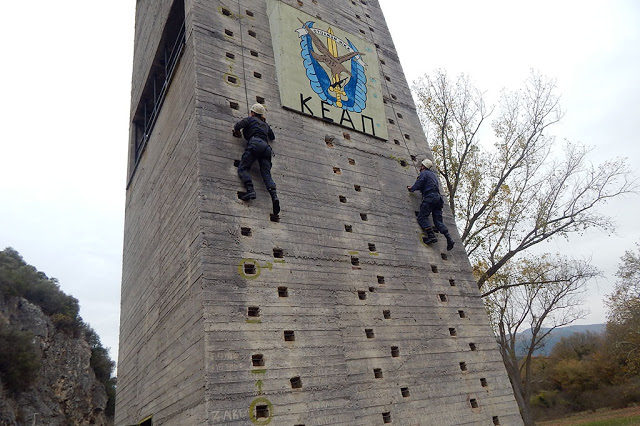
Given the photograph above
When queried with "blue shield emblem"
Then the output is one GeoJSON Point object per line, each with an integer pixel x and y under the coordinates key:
{"type": "Point", "coordinates": [338, 85]}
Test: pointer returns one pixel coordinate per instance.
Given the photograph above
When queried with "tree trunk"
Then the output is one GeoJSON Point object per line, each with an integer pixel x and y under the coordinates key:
{"type": "Point", "coordinates": [516, 384]}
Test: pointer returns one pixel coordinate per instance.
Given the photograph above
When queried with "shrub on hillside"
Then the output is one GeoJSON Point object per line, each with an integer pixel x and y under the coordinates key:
{"type": "Point", "coordinates": [19, 360]}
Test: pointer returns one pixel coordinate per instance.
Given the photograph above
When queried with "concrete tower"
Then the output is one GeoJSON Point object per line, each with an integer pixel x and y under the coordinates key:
{"type": "Point", "coordinates": [334, 312]}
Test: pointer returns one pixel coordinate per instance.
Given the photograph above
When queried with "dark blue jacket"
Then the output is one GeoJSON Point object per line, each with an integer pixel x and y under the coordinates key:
{"type": "Point", "coordinates": [427, 183]}
{"type": "Point", "coordinates": [254, 127]}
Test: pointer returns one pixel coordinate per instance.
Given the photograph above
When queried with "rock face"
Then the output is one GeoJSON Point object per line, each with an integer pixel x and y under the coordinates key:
{"type": "Point", "coordinates": [66, 391]}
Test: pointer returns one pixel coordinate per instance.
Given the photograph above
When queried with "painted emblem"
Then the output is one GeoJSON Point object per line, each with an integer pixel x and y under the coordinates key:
{"type": "Point", "coordinates": [333, 82]}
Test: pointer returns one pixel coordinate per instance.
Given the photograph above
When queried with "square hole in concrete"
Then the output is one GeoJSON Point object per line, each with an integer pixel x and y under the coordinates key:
{"type": "Point", "coordinates": [283, 292]}
{"type": "Point", "coordinates": [262, 412]}
{"type": "Point", "coordinates": [380, 279]}
{"type": "Point", "coordinates": [245, 231]}
{"type": "Point", "coordinates": [443, 297]}
{"type": "Point", "coordinates": [296, 382]}
{"type": "Point", "coordinates": [386, 314]}
{"type": "Point", "coordinates": [362, 295]}
{"type": "Point", "coordinates": [386, 417]}
{"type": "Point", "coordinates": [257, 360]}
{"type": "Point", "coordinates": [405, 392]}
{"type": "Point", "coordinates": [462, 314]}
{"type": "Point", "coordinates": [253, 311]}
{"type": "Point", "coordinates": [473, 402]}
{"type": "Point", "coordinates": [278, 253]}
{"type": "Point", "coordinates": [453, 332]}
{"type": "Point", "coordinates": [289, 336]}
{"type": "Point", "coordinates": [377, 373]}
{"type": "Point", "coordinates": [364, 216]}
{"type": "Point", "coordinates": [483, 382]}
{"type": "Point", "coordinates": [369, 333]}
{"type": "Point", "coordinates": [348, 228]}
{"type": "Point", "coordinates": [395, 351]}
{"type": "Point", "coordinates": [463, 366]}
{"type": "Point", "coordinates": [472, 346]}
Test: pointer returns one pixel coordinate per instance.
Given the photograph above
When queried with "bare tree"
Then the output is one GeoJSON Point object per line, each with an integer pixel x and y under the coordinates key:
{"type": "Point", "coordinates": [523, 191]}
{"type": "Point", "coordinates": [551, 298]}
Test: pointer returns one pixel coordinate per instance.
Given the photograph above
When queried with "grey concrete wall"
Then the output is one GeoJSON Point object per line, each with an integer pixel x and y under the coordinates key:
{"type": "Point", "coordinates": [331, 354]}
{"type": "Point", "coordinates": [403, 318]}
{"type": "Point", "coordinates": [161, 356]}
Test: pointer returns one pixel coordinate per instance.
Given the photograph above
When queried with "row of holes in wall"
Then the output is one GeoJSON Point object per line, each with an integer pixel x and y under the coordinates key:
{"type": "Point", "coordinates": [296, 382]}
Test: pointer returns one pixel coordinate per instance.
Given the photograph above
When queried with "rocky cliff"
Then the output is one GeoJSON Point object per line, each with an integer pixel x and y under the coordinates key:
{"type": "Point", "coordinates": [65, 390]}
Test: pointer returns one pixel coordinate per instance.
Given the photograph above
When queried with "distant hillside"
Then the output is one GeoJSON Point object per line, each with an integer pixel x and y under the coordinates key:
{"type": "Point", "coordinates": [53, 368]}
{"type": "Point", "coordinates": [555, 336]}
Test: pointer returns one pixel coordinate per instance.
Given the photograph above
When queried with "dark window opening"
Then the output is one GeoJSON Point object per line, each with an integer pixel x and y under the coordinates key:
{"type": "Point", "coordinates": [472, 346]}
{"type": "Point", "coordinates": [443, 297]}
{"type": "Point", "coordinates": [357, 188]}
{"type": "Point", "coordinates": [283, 292]}
{"type": "Point", "coordinates": [363, 216]}
{"type": "Point", "coordinates": [483, 382]}
{"type": "Point", "coordinates": [395, 351]}
{"type": "Point", "coordinates": [386, 417]}
{"type": "Point", "coordinates": [452, 332]}
{"type": "Point", "coordinates": [380, 279]}
{"type": "Point", "coordinates": [342, 198]}
{"type": "Point", "coordinates": [463, 366]}
{"type": "Point", "coordinates": [405, 392]}
{"type": "Point", "coordinates": [278, 253]}
{"type": "Point", "coordinates": [253, 311]}
{"type": "Point", "coordinates": [474, 403]}
{"type": "Point", "coordinates": [362, 295]}
{"type": "Point", "coordinates": [355, 261]}
{"type": "Point", "coordinates": [289, 336]}
{"type": "Point", "coordinates": [254, 53]}
{"type": "Point", "coordinates": [348, 228]}
{"type": "Point", "coordinates": [369, 333]}
{"type": "Point", "coordinates": [245, 231]}
{"type": "Point", "coordinates": [496, 420]}
{"type": "Point", "coordinates": [372, 247]}
{"type": "Point", "coordinates": [159, 78]}
{"type": "Point", "coordinates": [260, 100]}
{"type": "Point", "coordinates": [377, 373]}
{"type": "Point", "coordinates": [386, 314]}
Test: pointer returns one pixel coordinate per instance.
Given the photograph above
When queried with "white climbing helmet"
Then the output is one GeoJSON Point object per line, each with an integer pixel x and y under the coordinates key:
{"type": "Point", "coordinates": [427, 163]}
{"type": "Point", "coordinates": [258, 109]}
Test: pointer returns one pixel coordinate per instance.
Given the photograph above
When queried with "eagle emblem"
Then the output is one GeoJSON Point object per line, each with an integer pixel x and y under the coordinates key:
{"type": "Point", "coordinates": [330, 79]}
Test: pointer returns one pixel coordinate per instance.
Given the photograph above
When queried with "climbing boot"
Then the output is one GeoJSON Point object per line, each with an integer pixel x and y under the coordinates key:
{"type": "Point", "coordinates": [275, 201]}
{"type": "Point", "coordinates": [450, 242]}
{"type": "Point", "coordinates": [430, 236]}
{"type": "Point", "coordinates": [250, 194]}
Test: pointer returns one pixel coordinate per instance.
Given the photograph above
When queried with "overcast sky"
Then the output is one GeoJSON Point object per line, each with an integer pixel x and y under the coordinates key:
{"type": "Point", "coordinates": [64, 117]}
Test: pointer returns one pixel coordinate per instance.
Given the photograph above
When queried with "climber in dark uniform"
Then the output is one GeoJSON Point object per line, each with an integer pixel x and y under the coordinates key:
{"type": "Point", "coordinates": [432, 203]}
{"type": "Point", "coordinates": [258, 135]}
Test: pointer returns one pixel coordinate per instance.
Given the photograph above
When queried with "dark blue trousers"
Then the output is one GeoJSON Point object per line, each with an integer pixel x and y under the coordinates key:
{"type": "Point", "coordinates": [259, 150]}
{"type": "Point", "coordinates": [432, 205]}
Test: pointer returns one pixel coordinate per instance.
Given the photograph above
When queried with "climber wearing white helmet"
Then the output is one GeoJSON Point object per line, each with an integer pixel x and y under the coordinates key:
{"type": "Point", "coordinates": [258, 135]}
{"type": "Point", "coordinates": [432, 204]}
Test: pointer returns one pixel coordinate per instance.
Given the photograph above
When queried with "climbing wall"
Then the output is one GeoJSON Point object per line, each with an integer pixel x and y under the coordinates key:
{"type": "Point", "coordinates": [335, 311]}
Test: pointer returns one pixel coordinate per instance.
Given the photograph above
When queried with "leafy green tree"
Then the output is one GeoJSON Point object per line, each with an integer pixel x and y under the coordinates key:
{"type": "Point", "coordinates": [19, 360]}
